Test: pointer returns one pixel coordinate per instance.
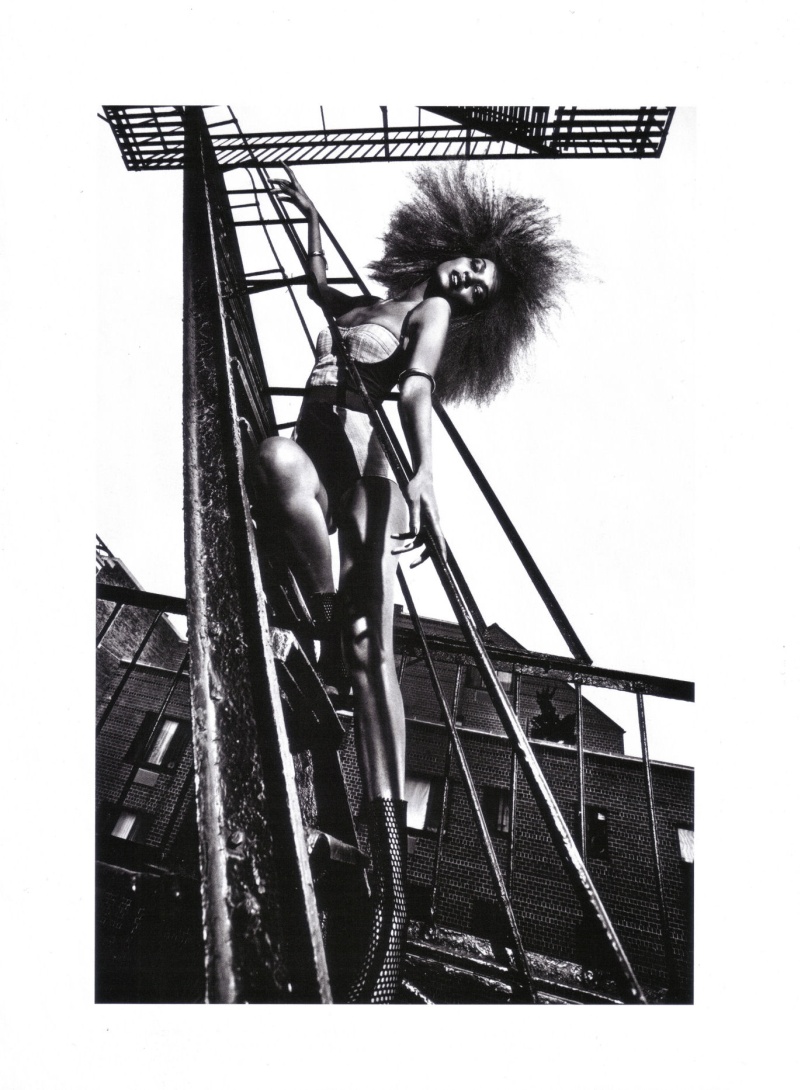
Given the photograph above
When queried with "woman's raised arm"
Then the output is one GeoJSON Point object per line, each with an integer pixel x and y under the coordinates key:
{"type": "Point", "coordinates": [336, 302]}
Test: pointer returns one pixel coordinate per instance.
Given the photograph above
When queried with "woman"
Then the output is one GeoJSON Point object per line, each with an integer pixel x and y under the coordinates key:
{"type": "Point", "coordinates": [471, 274]}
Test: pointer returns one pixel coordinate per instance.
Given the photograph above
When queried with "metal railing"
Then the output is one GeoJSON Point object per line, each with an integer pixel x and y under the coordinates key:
{"type": "Point", "coordinates": [152, 137]}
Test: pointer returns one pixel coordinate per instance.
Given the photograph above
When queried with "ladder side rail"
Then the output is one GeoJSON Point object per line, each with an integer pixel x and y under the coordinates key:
{"type": "Point", "coordinates": [666, 931]}
{"type": "Point", "coordinates": [263, 939]}
{"type": "Point", "coordinates": [265, 230]}
{"type": "Point", "coordinates": [523, 966]}
{"type": "Point", "coordinates": [241, 337]}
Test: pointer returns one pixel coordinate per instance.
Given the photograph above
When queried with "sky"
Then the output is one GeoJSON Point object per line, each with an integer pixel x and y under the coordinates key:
{"type": "Point", "coordinates": [591, 453]}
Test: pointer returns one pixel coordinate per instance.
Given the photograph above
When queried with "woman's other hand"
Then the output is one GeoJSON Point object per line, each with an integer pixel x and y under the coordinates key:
{"type": "Point", "coordinates": [422, 513]}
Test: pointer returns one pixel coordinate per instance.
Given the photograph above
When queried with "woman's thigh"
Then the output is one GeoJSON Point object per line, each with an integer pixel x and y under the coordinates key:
{"type": "Point", "coordinates": [286, 472]}
{"type": "Point", "coordinates": [372, 512]}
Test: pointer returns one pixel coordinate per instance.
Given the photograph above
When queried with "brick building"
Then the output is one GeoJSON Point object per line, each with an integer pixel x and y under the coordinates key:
{"type": "Point", "coordinates": [148, 922]}
{"type": "Point", "coordinates": [148, 927]}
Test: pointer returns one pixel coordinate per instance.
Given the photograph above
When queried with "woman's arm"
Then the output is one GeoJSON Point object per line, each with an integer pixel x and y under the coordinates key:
{"type": "Point", "coordinates": [427, 331]}
{"type": "Point", "coordinates": [318, 288]}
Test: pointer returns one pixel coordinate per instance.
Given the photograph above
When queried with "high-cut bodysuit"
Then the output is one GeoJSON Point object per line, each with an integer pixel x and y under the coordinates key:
{"type": "Point", "coordinates": [333, 427]}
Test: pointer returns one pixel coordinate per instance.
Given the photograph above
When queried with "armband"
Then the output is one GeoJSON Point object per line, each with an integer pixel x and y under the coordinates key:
{"type": "Point", "coordinates": [421, 373]}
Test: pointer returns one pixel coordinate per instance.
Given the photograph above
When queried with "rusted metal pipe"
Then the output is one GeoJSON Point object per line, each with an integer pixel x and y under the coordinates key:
{"type": "Point", "coordinates": [263, 939]}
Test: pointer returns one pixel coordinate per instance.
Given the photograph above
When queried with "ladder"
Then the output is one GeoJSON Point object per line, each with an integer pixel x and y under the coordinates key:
{"type": "Point", "coordinates": [272, 812]}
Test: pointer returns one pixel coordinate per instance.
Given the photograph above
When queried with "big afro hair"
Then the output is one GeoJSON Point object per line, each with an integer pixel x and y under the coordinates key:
{"type": "Point", "coordinates": [456, 211]}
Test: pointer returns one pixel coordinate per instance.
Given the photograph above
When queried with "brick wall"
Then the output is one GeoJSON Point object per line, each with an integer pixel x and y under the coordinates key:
{"type": "Point", "coordinates": [547, 910]}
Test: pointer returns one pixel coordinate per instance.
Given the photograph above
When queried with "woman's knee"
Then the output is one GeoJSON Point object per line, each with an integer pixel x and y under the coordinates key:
{"type": "Point", "coordinates": [283, 466]}
{"type": "Point", "coordinates": [368, 654]}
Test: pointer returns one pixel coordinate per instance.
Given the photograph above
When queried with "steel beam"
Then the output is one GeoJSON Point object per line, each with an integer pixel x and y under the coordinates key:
{"type": "Point", "coordinates": [263, 940]}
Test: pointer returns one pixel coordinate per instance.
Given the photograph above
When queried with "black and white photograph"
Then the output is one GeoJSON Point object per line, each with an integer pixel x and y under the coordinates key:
{"type": "Point", "coordinates": [436, 442]}
{"type": "Point", "coordinates": [438, 461]}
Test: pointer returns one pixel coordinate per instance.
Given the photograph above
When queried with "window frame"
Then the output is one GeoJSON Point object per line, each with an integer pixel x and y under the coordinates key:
{"type": "Point", "coordinates": [493, 813]}
{"type": "Point", "coordinates": [142, 747]}
{"type": "Point", "coordinates": [433, 807]}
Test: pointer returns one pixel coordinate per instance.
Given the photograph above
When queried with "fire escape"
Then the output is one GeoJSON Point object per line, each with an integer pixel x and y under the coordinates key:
{"type": "Point", "coordinates": [281, 872]}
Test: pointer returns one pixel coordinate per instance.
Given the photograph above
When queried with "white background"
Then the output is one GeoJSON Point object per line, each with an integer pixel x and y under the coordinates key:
{"type": "Point", "coordinates": [736, 64]}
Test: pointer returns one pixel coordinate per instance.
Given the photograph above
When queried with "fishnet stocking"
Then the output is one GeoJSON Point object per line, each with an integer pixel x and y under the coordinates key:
{"type": "Point", "coordinates": [379, 975]}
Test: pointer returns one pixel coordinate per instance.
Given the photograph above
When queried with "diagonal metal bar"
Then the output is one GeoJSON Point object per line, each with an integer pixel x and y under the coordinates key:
{"type": "Point", "coordinates": [144, 599]}
{"type": "Point", "coordinates": [126, 674]}
{"type": "Point", "coordinates": [561, 836]}
{"type": "Point", "coordinates": [101, 635]}
{"type": "Point", "coordinates": [501, 892]}
{"type": "Point", "coordinates": [511, 532]}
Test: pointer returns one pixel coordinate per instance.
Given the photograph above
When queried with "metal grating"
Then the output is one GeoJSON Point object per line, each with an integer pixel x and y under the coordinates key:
{"type": "Point", "coordinates": [152, 137]}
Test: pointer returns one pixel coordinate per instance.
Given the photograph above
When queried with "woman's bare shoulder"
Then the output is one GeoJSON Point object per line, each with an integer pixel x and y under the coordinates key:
{"type": "Point", "coordinates": [432, 313]}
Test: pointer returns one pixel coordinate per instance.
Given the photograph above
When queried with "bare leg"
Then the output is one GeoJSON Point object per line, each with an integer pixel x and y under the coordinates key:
{"type": "Point", "coordinates": [294, 500]}
{"type": "Point", "coordinates": [375, 510]}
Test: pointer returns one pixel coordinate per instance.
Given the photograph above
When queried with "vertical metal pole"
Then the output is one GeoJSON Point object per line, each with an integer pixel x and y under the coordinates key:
{"type": "Point", "coordinates": [666, 933]}
{"type": "Point", "coordinates": [581, 770]}
{"type": "Point", "coordinates": [263, 940]}
{"type": "Point", "coordinates": [385, 113]}
{"type": "Point", "coordinates": [500, 890]}
{"type": "Point", "coordinates": [445, 793]}
{"type": "Point", "coordinates": [512, 792]}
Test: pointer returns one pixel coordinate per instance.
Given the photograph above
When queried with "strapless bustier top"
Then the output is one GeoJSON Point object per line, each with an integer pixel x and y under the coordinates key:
{"type": "Point", "coordinates": [373, 348]}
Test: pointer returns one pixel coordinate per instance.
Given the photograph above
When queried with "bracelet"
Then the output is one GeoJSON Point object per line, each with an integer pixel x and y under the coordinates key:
{"type": "Point", "coordinates": [417, 371]}
{"type": "Point", "coordinates": [319, 253]}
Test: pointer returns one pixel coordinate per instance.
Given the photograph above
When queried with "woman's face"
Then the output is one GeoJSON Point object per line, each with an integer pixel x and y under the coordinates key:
{"type": "Point", "coordinates": [470, 283]}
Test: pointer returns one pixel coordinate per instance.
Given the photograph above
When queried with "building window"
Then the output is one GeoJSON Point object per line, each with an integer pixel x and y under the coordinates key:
{"type": "Point", "coordinates": [597, 832]}
{"type": "Point", "coordinates": [488, 920]}
{"type": "Point", "coordinates": [159, 745]}
{"type": "Point", "coordinates": [424, 794]}
{"type": "Point", "coordinates": [549, 725]}
{"type": "Point", "coordinates": [132, 826]}
{"type": "Point", "coordinates": [496, 806]}
{"type": "Point", "coordinates": [686, 844]}
{"type": "Point", "coordinates": [473, 679]}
